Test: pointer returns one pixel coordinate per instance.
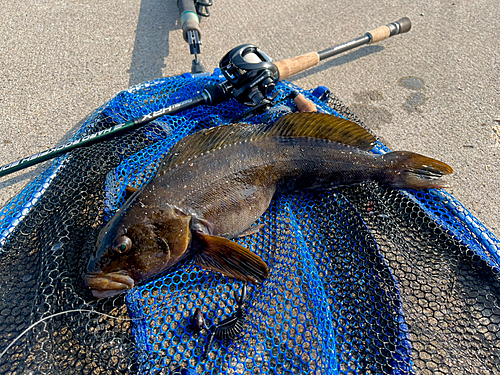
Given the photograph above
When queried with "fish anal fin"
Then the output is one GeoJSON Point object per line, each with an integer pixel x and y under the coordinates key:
{"type": "Point", "coordinates": [252, 230]}
{"type": "Point", "coordinates": [229, 258]}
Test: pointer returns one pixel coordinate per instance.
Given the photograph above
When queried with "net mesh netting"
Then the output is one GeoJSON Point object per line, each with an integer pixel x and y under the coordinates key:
{"type": "Point", "coordinates": [363, 279]}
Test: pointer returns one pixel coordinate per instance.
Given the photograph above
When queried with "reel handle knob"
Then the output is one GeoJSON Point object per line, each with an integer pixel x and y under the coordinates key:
{"type": "Point", "coordinates": [303, 104]}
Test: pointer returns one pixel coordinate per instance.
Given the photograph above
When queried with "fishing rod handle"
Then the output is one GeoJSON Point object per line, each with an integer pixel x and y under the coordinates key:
{"type": "Point", "coordinates": [289, 67]}
{"type": "Point", "coordinates": [401, 26]}
{"type": "Point", "coordinates": [189, 17]}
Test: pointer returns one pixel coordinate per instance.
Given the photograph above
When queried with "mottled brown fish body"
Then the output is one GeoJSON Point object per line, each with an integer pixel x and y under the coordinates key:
{"type": "Point", "coordinates": [232, 187]}
{"type": "Point", "coordinates": [215, 184]}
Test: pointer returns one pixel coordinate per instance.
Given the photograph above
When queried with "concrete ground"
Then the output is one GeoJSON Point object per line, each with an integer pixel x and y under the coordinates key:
{"type": "Point", "coordinates": [434, 90]}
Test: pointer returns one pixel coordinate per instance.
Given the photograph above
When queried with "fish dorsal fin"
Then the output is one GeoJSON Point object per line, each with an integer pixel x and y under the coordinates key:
{"type": "Point", "coordinates": [305, 124]}
{"type": "Point", "coordinates": [204, 141]}
{"type": "Point", "coordinates": [324, 126]}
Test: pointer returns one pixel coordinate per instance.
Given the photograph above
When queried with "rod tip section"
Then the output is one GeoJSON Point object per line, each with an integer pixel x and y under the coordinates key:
{"type": "Point", "coordinates": [404, 25]}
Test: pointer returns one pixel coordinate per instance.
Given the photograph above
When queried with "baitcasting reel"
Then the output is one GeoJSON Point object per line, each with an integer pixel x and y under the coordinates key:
{"type": "Point", "coordinates": [250, 73]}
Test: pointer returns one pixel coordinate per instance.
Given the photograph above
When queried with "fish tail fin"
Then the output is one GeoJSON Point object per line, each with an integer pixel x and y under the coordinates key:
{"type": "Point", "coordinates": [408, 170]}
{"type": "Point", "coordinates": [229, 258]}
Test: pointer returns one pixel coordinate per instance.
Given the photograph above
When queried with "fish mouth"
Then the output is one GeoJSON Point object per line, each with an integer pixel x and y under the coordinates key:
{"type": "Point", "coordinates": [109, 284]}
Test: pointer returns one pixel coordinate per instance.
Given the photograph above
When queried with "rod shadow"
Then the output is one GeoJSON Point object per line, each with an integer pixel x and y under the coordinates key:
{"type": "Point", "coordinates": [151, 47]}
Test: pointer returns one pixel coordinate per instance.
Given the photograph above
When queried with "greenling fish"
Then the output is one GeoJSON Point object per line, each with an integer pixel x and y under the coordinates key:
{"type": "Point", "coordinates": [213, 185]}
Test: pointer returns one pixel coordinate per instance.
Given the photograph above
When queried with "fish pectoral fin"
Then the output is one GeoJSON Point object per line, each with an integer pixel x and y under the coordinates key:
{"type": "Point", "coordinates": [229, 258]}
{"type": "Point", "coordinates": [252, 230]}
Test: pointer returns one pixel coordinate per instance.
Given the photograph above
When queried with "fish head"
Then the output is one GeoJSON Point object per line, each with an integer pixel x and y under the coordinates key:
{"type": "Point", "coordinates": [135, 245]}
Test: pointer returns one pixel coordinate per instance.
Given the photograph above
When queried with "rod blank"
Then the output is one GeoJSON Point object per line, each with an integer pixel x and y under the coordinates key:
{"type": "Point", "coordinates": [101, 135]}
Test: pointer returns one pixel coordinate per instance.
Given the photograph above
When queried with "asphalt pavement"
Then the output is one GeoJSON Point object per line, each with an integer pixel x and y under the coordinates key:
{"type": "Point", "coordinates": [434, 90]}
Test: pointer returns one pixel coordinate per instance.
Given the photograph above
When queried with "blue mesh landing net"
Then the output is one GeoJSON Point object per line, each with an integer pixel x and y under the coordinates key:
{"type": "Point", "coordinates": [363, 279]}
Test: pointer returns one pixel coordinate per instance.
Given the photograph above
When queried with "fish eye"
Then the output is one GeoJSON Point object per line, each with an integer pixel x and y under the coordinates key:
{"type": "Point", "coordinates": [122, 244]}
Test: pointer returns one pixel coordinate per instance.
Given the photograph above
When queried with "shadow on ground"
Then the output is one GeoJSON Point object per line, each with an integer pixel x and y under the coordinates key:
{"type": "Point", "coordinates": [156, 19]}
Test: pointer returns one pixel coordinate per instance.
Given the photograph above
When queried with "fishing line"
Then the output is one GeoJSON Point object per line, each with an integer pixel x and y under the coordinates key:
{"type": "Point", "coordinates": [57, 314]}
{"type": "Point", "coordinates": [62, 313]}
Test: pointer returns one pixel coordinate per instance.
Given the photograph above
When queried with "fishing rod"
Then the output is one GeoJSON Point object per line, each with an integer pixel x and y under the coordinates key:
{"type": "Point", "coordinates": [251, 78]}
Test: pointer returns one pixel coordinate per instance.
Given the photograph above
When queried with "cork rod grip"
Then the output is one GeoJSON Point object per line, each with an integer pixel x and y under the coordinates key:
{"type": "Point", "coordinates": [304, 105]}
{"type": "Point", "coordinates": [380, 33]}
{"type": "Point", "coordinates": [294, 65]}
